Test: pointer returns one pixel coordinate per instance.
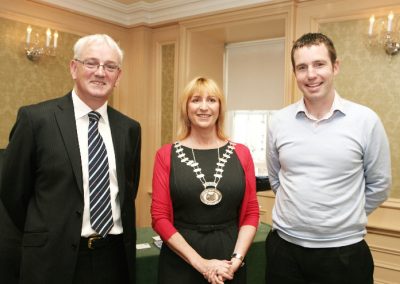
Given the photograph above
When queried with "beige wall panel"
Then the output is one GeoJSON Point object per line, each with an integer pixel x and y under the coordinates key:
{"type": "Point", "coordinates": [385, 249]}
{"type": "Point", "coordinates": [136, 103]}
{"type": "Point", "coordinates": [146, 79]}
{"type": "Point", "coordinates": [387, 218]}
{"type": "Point", "coordinates": [205, 58]}
{"type": "Point", "coordinates": [266, 201]}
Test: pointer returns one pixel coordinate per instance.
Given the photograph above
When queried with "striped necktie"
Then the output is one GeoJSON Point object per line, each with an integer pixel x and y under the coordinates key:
{"type": "Point", "coordinates": [99, 179]}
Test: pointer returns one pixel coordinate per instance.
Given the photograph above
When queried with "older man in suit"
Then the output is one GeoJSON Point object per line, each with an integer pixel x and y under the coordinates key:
{"type": "Point", "coordinates": [71, 175]}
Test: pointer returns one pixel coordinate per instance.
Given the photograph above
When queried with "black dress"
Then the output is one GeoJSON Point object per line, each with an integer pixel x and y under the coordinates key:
{"type": "Point", "coordinates": [211, 230]}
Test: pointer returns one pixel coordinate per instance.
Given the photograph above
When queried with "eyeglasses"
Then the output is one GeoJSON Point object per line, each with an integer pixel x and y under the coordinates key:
{"type": "Point", "coordinates": [94, 65]}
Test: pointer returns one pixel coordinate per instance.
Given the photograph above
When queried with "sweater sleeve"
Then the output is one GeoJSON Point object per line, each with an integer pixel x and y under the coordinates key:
{"type": "Point", "coordinates": [273, 162]}
{"type": "Point", "coordinates": [377, 167]}
{"type": "Point", "coordinates": [161, 205]}
{"type": "Point", "coordinates": [250, 211]}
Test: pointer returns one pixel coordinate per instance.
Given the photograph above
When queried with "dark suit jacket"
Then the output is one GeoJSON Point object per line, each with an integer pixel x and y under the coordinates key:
{"type": "Point", "coordinates": [10, 244]}
{"type": "Point", "coordinates": [42, 187]}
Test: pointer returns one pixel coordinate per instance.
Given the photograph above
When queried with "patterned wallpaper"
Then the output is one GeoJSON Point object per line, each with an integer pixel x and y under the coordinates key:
{"type": "Point", "coordinates": [167, 92]}
{"type": "Point", "coordinates": [370, 77]}
{"type": "Point", "coordinates": [25, 82]}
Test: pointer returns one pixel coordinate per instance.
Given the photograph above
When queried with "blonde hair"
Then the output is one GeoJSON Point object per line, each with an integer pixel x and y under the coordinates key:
{"type": "Point", "coordinates": [201, 85]}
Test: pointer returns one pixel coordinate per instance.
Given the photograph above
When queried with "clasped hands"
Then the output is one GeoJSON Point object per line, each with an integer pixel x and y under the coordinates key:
{"type": "Point", "coordinates": [218, 271]}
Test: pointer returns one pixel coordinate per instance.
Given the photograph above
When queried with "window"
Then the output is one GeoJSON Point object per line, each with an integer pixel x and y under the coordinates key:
{"type": "Point", "coordinates": [254, 86]}
{"type": "Point", "coordinates": [250, 128]}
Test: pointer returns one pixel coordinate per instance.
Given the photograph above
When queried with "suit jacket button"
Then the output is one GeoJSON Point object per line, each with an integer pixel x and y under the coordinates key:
{"type": "Point", "coordinates": [79, 213]}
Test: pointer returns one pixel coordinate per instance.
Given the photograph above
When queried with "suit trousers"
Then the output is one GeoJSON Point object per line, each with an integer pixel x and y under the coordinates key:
{"type": "Point", "coordinates": [288, 263]}
{"type": "Point", "coordinates": [102, 264]}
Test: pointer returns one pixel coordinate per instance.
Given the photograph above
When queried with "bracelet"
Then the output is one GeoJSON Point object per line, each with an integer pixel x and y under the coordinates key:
{"type": "Point", "coordinates": [238, 256]}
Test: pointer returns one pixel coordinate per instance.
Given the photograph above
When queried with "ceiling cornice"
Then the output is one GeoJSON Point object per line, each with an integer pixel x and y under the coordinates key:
{"type": "Point", "coordinates": [144, 13]}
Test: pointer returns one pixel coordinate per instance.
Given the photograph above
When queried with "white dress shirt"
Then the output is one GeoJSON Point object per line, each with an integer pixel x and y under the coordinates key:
{"type": "Point", "coordinates": [82, 123]}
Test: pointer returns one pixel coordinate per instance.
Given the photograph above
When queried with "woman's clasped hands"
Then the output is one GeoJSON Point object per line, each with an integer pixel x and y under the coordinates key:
{"type": "Point", "coordinates": [218, 271]}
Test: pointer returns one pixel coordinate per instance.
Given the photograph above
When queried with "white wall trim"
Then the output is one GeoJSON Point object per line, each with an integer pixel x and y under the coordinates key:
{"type": "Point", "coordinates": [141, 12]}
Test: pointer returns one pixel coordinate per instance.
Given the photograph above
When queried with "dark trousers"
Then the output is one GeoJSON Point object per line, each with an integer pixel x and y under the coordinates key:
{"type": "Point", "coordinates": [288, 263]}
{"type": "Point", "coordinates": [105, 263]}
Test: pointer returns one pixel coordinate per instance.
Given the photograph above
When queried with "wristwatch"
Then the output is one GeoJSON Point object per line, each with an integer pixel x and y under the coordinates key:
{"type": "Point", "coordinates": [238, 256]}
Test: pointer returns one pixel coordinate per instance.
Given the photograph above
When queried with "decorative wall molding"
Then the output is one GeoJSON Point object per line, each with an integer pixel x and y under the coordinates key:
{"type": "Point", "coordinates": [385, 249]}
{"type": "Point", "coordinates": [385, 220]}
{"type": "Point", "coordinates": [144, 13]}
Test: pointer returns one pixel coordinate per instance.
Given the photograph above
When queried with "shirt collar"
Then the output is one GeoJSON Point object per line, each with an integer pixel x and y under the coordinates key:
{"type": "Point", "coordinates": [81, 109]}
{"type": "Point", "coordinates": [337, 105]}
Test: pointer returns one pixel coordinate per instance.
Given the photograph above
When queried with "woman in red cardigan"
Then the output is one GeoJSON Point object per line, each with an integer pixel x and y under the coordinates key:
{"type": "Point", "coordinates": [204, 203]}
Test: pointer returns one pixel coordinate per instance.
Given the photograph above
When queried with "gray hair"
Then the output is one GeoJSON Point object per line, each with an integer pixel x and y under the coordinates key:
{"type": "Point", "coordinates": [97, 38]}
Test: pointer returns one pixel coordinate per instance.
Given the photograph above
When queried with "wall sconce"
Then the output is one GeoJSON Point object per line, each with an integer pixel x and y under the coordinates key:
{"type": "Point", "coordinates": [34, 50]}
{"type": "Point", "coordinates": [384, 35]}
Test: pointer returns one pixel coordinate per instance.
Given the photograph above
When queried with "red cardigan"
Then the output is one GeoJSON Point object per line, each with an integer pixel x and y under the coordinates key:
{"type": "Point", "coordinates": [161, 206]}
